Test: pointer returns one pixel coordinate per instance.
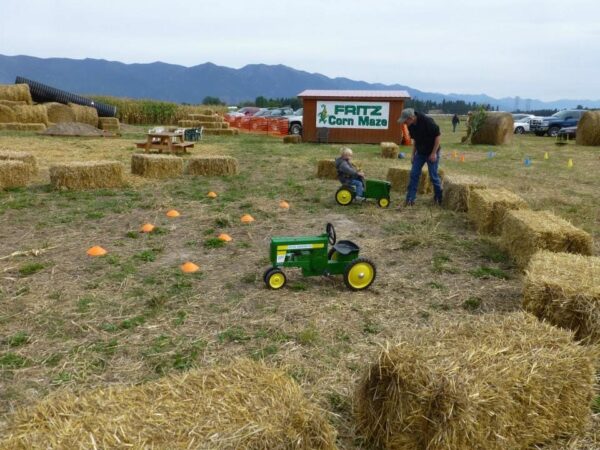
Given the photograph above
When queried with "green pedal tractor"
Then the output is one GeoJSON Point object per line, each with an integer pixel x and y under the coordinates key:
{"type": "Point", "coordinates": [376, 189]}
{"type": "Point", "coordinates": [312, 255]}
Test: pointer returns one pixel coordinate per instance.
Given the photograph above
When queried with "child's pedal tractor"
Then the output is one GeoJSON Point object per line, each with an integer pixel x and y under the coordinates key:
{"type": "Point", "coordinates": [376, 189]}
{"type": "Point", "coordinates": [312, 255]}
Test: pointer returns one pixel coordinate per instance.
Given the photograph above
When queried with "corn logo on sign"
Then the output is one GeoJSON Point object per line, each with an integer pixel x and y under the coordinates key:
{"type": "Point", "coordinates": [371, 115]}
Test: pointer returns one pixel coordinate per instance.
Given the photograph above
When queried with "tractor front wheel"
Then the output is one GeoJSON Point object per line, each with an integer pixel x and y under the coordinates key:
{"type": "Point", "coordinates": [360, 274]}
{"type": "Point", "coordinates": [275, 278]}
{"type": "Point", "coordinates": [344, 196]}
{"type": "Point", "coordinates": [383, 202]}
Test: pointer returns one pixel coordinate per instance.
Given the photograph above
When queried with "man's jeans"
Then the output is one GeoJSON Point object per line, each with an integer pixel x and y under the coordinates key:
{"type": "Point", "coordinates": [415, 176]}
{"type": "Point", "coordinates": [358, 185]}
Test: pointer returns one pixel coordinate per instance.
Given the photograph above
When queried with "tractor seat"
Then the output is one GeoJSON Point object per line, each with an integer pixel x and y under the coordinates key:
{"type": "Point", "coordinates": [345, 247]}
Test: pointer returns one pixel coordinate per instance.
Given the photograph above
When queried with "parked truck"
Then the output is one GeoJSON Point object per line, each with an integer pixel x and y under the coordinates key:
{"type": "Point", "coordinates": [551, 125]}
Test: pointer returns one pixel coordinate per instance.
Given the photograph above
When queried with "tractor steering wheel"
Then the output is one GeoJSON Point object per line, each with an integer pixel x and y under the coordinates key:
{"type": "Point", "coordinates": [331, 237]}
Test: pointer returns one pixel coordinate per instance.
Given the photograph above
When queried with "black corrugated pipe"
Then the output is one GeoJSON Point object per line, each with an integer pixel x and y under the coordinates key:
{"type": "Point", "coordinates": [41, 93]}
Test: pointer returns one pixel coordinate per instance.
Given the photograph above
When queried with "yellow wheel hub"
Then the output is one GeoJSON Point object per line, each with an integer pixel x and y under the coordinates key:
{"type": "Point", "coordinates": [276, 280]}
{"type": "Point", "coordinates": [343, 197]}
{"type": "Point", "coordinates": [384, 202]}
{"type": "Point", "coordinates": [361, 275]}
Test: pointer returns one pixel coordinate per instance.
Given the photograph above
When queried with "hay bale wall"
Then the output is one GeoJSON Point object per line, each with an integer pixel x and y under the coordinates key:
{"type": "Point", "coordinates": [31, 114]}
{"type": "Point", "coordinates": [59, 113]}
{"type": "Point", "coordinates": [13, 174]}
{"type": "Point", "coordinates": [326, 169]}
{"type": "Point", "coordinates": [525, 232]}
{"type": "Point", "coordinates": [588, 129]}
{"type": "Point", "coordinates": [389, 150]}
{"type": "Point", "coordinates": [16, 92]}
{"type": "Point", "coordinates": [23, 126]}
{"type": "Point", "coordinates": [245, 405]}
{"type": "Point", "coordinates": [212, 166]}
{"type": "Point", "coordinates": [487, 207]}
{"type": "Point", "coordinates": [497, 129]}
{"type": "Point", "coordinates": [457, 190]}
{"type": "Point", "coordinates": [493, 383]}
{"type": "Point", "coordinates": [26, 158]}
{"type": "Point", "coordinates": [156, 166]}
{"type": "Point", "coordinates": [292, 139]}
{"type": "Point", "coordinates": [85, 114]}
{"type": "Point", "coordinates": [400, 176]}
{"type": "Point", "coordinates": [87, 175]}
{"type": "Point", "coordinates": [7, 115]}
{"type": "Point", "coordinates": [564, 289]}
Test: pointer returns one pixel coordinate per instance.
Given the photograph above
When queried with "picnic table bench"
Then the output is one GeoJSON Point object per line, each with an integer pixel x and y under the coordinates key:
{"type": "Point", "coordinates": [165, 141]}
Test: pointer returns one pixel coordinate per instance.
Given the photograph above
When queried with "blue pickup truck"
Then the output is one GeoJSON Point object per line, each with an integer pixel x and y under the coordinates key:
{"type": "Point", "coordinates": [551, 125]}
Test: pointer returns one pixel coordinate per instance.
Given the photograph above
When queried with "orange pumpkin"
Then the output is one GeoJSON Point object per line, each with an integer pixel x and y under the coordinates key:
{"type": "Point", "coordinates": [189, 267]}
{"type": "Point", "coordinates": [225, 237]}
{"type": "Point", "coordinates": [147, 228]}
{"type": "Point", "coordinates": [284, 205]}
{"type": "Point", "coordinates": [247, 218]}
{"type": "Point", "coordinates": [173, 213]}
{"type": "Point", "coordinates": [96, 250]}
{"type": "Point", "coordinates": [211, 194]}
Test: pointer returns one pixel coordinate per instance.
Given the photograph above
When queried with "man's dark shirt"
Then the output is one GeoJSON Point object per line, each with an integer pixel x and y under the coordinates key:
{"type": "Point", "coordinates": [424, 132]}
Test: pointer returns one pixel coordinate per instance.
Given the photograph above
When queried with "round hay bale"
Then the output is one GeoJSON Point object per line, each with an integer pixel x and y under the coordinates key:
{"type": "Point", "coordinates": [156, 166]}
{"type": "Point", "coordinates": [16, 92]}
{"type": "Point", "coordinates": [13, 174]}
{"type": "Point", "coordinates": [26, 158]}
{"type": "Point", "coordinates": [326, 169]}
{"type": "Point", "coordinates": [212, 166]}
{"type": "Point", "coordinates": [85, 114]}
{"type": "Point", "coordinates": [292, 139]}
{"type": "Point", "coordinates": [23, 126]}
{"type": "Point", "coordinates": [588, 129]}
{"type": "Point", "coordinates": [389, 150]}
{"type": "Point", "coordinates": [87, 175]}
{"type": "Point", "coordinates": [244, 405]}
{"type": "Point", "coordinates": [7, 115]}
{"type": "Point", "coordinates": [59, 113]}
{"type": "Point", "coordinates": [496, 129]}
{"type": "Point", "coordinates": [31, 114]}
{"type": "Point", "coordinates": [494, 382]}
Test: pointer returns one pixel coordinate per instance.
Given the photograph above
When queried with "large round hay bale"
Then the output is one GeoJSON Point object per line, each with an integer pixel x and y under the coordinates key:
{"type": "Point", "coordinates": [389, 150]}
{"type": "Point", "coordinates": [492, 382]}
{"type": "Point", "coordinates": [26, 158]}
{"type": "Point", "coordinates": [87, 175]}
{"type": "Point", "coordinates": [31, 114]}
{"type": "Point", "coordinates": [212, 166]}
{"type": "Point", "coordinates": [59, 113]}
{"type": "Point", "coordinates": [15, 92]}
{"type": "Point", "coordinates": [7, 115]}
{"type": "Point", "coordinates": [13, 174]}
{"type": "Point", "coordinates": [588, 129]}
{"type": "Point", "coordinates": [16, 126]}
{"type": "Point", "coordinates": [85, 114]}
{"type": "Point", "coordinates": [244, 405]}
{"type": "Point", "coordinates": [496, 129]}
{"type": "Point", "coordinates": [156, 166]}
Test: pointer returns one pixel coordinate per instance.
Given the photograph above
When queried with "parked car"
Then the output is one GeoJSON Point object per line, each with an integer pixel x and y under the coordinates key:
{"type": "Point", "coordinates": [567, 133]}
{"type": "Point", "coordinates": [552, 125]}
{"type": "Point", "coordinates": [521, 123]}
{"type": "Point", "coordinates": [295, 121]}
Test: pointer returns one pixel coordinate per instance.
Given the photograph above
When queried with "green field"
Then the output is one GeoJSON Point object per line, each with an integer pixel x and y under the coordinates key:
{"type": "Point", "coordinates": [75, 322]}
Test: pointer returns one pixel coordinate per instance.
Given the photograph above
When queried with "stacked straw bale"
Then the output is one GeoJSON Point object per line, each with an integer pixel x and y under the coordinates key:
{"type": "Point", "coordinates": [497, 129]}
{"type": "Point", "coordinates": [16, 92]}
{"type": "Point", "coordinates": [156, 166]}
{"type": "Point", "coordinates": [87, 175]}
{"type": "Point", "coordinates": [23, 126]}
{"type": "Point", "coordinates": [487, 208]}
{"type": "Point", "coordinates": [525, 232]}
{"type": "Point", "coordinates": [564, 289]}
{"type": "Point", "coordinates": [7, 115]}
{"type": "Point", "coordinates": [493, 383]}
{"type": "Point", "coordinates": [85, 114]}
{"type": "Point", "coordinates": [220, 132]}
{"type": "Point", "coordinates": [13, 174]}
{"type": "Point", "coordinates": [204, 117]}
{"type": "Point", "coordinates": [109, 124]}
{"type": "Point", "coordinates": [27, 158]}
{"type": "Point", "coordinates": [245, 405]}
{"type": "Point", "coordinates": [588, 129]}
{"type": "Point", "coordinates": [400, 176]}
{"type": "Point", "coordinates": [59, 113]}
{"type": "Point", "coordinates": [326, 169]}
{"type": "Point", "coordinates": [212, 166]}
{"type": "Point", "coordinates": [31, 114]}
{"type": "Point", "coordinates": [389, 150]}
{"type": "Point", "coordinates": [457, 190]}
{"type": "Point", "coordinates": [12, 103]}
{"type": "Point", "coordinates": [291, 139]}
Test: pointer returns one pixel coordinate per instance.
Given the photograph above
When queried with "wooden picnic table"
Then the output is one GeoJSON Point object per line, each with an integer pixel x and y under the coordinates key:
{"type": "Point", "coordinates": [165, 141]}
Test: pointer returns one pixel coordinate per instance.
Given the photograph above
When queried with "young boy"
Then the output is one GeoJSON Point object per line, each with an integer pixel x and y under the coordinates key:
{"type": "Point", "coordinates": [349, 174]}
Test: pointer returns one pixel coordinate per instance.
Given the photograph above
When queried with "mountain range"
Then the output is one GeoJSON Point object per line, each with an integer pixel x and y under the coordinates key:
{"type": "Point", "coordinates": [170, 82]}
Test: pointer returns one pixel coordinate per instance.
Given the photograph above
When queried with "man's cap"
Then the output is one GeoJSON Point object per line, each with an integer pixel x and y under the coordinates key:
{"type": "Point", "coordinates": [406, 113]}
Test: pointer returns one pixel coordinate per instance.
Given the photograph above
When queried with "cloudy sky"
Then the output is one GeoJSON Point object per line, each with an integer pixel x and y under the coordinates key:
{"type": "Point", "coordinates": [544, 49]}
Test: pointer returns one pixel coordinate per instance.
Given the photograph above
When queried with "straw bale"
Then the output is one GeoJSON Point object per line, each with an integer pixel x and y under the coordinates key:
{"type": "Point", "coordinates": [497, 129]}
{"type": "Point", "coordinates": [23, 126]}
{"type": "Point", "coordinates": [220, 132]}
{"type": "Point", "coordinates": [292, 139]}
{"type": "Point", "coordinates": [588, 129]}
{"type": "Point", "coordinates": [7, 114]}
{"type": "Point", "coordinates": [525, 232]}
{"type": "Point", "coordinates": [12, 103]}
{"type": "Point", "coordinates": [457, 190]}
{"type": "Point", "coordinates": [326, 169]}
{"type": "Point", "coordinates": [87, 175]}
{"type": "Point", "coordinates": [59, 113]}
{"type": "Point", "coordinates": [199, 123]}
{"type": "Point", "coordinates": [389, 150]}
{"type": "Point", "coordinates": [564, 289]}
{"type": "Point", "coordinates": [400, 176]}
{"type": "Point", "coordinates": [156, 166]}
{"type": "Point", "coordinates": [487, 207]}
{"type": "Point", "coordinates": [493, 383]}
{"type": "Point", "coordinates": [31, 114]}
{"type": "Point", "coordinates": [14, 174]}
{"type": "Point", "coordinates": [27, 158]}
{"type": "Point", "coordinates": [244, 405]}
{"type": "Point", "coordinates": [109, 123]}
{"type": "Point", "coordinates": [212, 166]}
{"type": "Point", "coordinates": [15, 92]}
{"type": "Point", "coordinates": [85, 114]}
{"type": "Point", "coordinates": [204, 117]}
{"type": "Point", "coordinates": [208, 112]}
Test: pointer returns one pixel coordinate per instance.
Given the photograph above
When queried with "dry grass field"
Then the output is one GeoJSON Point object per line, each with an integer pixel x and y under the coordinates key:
{"type": "Point", "coordinates": [69, 321]}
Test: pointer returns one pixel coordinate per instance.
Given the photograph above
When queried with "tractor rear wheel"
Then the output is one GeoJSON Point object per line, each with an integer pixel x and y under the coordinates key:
{"type": "Point", "coordinates": [344, 196]}
{"type": "Point", "coordinates": [360, 274]}
{"type": "Point", "coordinates": [383, 202]}
{"type": "Point", "coordinates": [275, 278]}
